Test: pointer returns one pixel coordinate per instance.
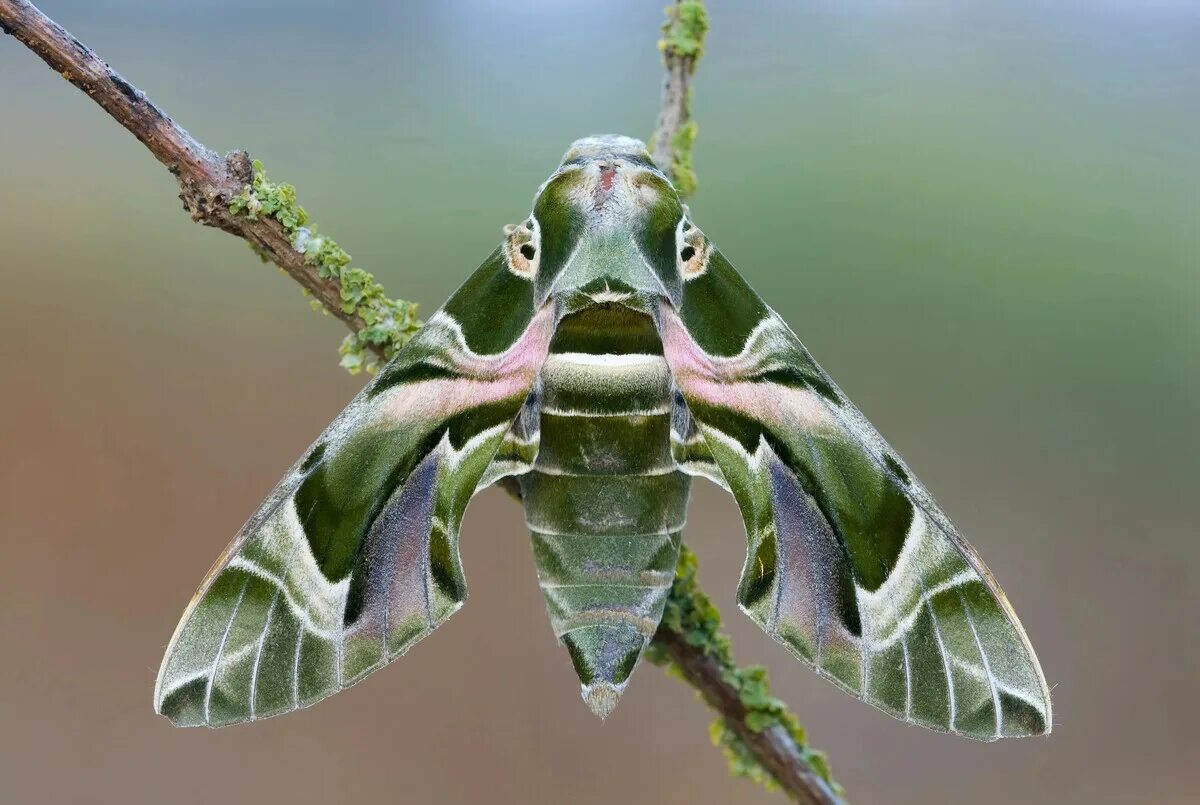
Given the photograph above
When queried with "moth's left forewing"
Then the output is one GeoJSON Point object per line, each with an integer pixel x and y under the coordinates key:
{"type": "Point", "coordinates": [354, 556]}
{"type": "Point", "coordinates": [851, 564]}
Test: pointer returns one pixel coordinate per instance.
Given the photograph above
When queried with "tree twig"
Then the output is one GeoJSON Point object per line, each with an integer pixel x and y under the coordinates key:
{"type": "Point", "coordinates": [774, 747]}
{"type": "Point", "coordinates": [760, 737]}
{"type": "Point", "coordinates": [209, 183]}
{"type": "Point", "coordinates": [232, 193]}
{"type": "Point", "coordinates": [682, 45]}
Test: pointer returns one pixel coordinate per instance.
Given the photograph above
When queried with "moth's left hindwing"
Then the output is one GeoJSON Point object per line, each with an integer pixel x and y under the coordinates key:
{"type": "Point", "coordinates": [851, 564]}
{"type": "Point", "coordinates": [354, 556]}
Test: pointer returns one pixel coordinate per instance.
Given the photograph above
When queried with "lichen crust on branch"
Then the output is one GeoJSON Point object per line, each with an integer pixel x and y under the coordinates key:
{"type": "Point", "coordinates": [386, 324]}
{"type": "Point", "coordinates": [682, 45]}
{"type": "Point", "coordinates": [691, 617]}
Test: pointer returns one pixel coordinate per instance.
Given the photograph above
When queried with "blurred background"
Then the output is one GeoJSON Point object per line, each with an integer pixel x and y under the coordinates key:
{"type": "Point", "coordinates": [981, 217]}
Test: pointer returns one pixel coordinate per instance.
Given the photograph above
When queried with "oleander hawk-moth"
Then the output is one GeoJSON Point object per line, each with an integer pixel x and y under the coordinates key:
{"type": "Point", "coordinates": [604, 354]}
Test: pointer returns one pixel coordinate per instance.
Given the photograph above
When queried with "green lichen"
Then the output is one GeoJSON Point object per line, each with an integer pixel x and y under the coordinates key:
{"type": "Point", "coordinates": [683, 35]}
{"type": "Point", "coordinates": [684, 30]}
{"type": "Point", "coordinates": [691, 614]}
{"type": "Point", "coordinates": [382, 324]}
{"type": "Point", "coordinates": [683, 175]}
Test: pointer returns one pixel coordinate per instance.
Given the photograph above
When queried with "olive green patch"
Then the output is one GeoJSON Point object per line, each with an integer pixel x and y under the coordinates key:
{"type": "Point", "coordinates": [655, 237]}
{"type": "Point", "coordinates": [604, 653]}
{"type": "Point", "coordinates": [341, 497]}
{"type": "Point", "coordinates": [868, 512]}
{"type": "Point", "coordinates": [719, 308]}
{"type": "Point", "coordinates": [647, 504]}
{"type": "Point", "coordinates": [1020, 718]}
{"type": "Point", "coordinates": [362, 653]}
{"type": "Point", "coordinates": [843, 662]}
{"type": "Point", "coordinates": [561, 226]}
{"type": "Point", "coordinates": [887, 683]}
{"type": "Point", "coordinates": [235, 667]}
{"type": "Point", "coordinates": [445, 571]}
{"type": "Point", "coordinates": [318, 669]}
{"type": "Point", "coordinates": [894, 465]}
{"type": "Point", "coordinates": [930, 691]}
{"type": "Point", "coordinates": [617, 559]}
{"type": "Point", "coordinates": [275, 692]}
{"type": "Point", "coordinates": [758, 584]}
{"type": "Point", "coordinates": [406, 631]}
{"type": "Point", "coordinates": [605, 445]}
{"type": "Point", "coordinates": [185, 705]}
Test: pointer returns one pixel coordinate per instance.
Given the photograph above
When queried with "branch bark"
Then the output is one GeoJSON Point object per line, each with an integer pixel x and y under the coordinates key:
{"type": "Point", "coordinates": [209, 182]}
{"type": "Point", "coordinates": [773, 748]}
{"type": "Point", "coordinates": [682, 45]}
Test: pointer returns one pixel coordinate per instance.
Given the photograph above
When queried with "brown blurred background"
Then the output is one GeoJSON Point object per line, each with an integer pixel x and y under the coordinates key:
{"type": "Point", "coordinates": [981, 217]}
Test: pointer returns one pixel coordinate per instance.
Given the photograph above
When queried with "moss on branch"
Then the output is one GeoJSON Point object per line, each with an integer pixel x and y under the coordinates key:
{"type": "Point", "coordinates": [386, 324]}
{"type": "Point", "coordinates": [691, 614]}
{"type": "Point", "coordinates": [682, 45]}
{"type": "Point", "coordinates": [684, 30]}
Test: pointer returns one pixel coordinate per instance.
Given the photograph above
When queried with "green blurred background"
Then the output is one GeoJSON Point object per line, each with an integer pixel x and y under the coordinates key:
{"type": "Point", "coordinates": [982, 218]}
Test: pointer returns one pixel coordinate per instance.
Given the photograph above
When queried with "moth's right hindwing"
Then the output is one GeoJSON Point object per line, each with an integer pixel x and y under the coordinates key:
{"type": "Point", "coordinates": [354, 556]}
{"type": "Point", "coordinates": [851, 564]}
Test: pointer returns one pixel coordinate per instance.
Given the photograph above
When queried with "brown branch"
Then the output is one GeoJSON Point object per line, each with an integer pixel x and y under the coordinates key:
{"type": "Point", "coordinates": [682, 46]}
{"type": "Point", "coordinates": [705, 660]}
{"type": "Point", "coordinates": [773, 748]}
{"type": "Point", "coordinates": [209, 182]}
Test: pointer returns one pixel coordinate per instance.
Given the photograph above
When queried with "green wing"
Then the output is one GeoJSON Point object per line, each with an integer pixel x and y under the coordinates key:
{"type": "Point", "coordinates": [851, 564]}
{"type": "Point", "coordinates": [354, 557]}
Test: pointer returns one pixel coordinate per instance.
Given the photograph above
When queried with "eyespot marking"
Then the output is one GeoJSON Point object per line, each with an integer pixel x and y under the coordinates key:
{"type": "Point", "coordinates": [521, 248]}
{"type": "Point", "coordinates": [692, 250]}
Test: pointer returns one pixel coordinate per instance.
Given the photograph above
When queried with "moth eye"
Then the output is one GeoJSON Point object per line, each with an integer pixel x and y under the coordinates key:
{"type": "Point", "coordinates": [693, 250]}
{"type": "Point", "coordinates": [521, 248]}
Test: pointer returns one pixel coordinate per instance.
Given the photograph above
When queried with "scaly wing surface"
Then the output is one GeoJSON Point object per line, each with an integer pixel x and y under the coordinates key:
{"type": "Point", "coordinates": [354, 556]}
{"type": "Point", "coordinates": [851, 564]}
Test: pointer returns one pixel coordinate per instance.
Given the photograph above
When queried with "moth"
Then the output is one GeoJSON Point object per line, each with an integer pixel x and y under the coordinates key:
{"type": "Point", "coordinates": [601, 357]}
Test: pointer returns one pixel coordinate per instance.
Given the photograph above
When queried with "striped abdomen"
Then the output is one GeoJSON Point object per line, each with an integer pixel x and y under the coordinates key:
{"type": "Point", "coordinates": [605, 502]}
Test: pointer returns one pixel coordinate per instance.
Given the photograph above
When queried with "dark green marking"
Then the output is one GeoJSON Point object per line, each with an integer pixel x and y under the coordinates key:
{"type": "Point", "coordinates": [719, 308]}
{"type": "Point", "coordinates": [507, 298]}
{"type": "Point", "coordinates": [892, 464]}
{"type": "Point", "coordinates": [561, 225]}
{"type": "Point", "coordinates": [607, 328]}
{"type": "Point", "coordinates": [798, 376]}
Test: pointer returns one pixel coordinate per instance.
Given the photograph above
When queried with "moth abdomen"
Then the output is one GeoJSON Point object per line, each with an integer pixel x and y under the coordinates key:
{"type": "Point", "coordinates": [605, 502]}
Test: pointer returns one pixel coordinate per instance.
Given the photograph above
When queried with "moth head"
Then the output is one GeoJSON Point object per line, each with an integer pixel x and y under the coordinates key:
{"type": "Point", "coordinates": [607, 213]}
